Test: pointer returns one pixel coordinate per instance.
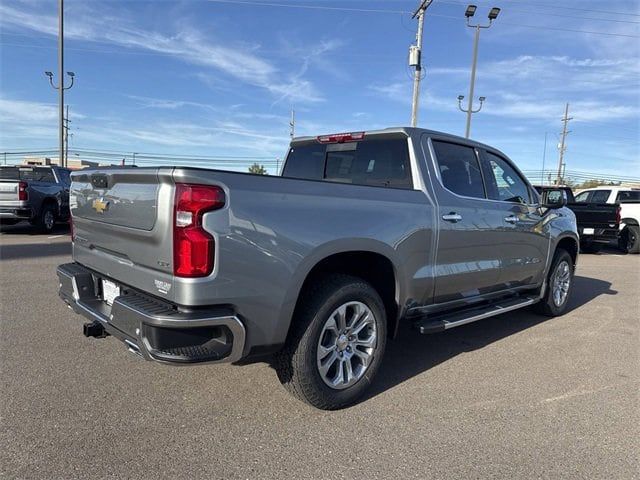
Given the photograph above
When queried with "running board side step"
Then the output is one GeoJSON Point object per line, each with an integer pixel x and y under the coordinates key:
{"type": "Point", "coordinates": [446, 321]}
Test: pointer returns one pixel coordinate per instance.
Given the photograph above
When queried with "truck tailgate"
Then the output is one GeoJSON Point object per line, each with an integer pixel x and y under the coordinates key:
{"type": "Point", "coordinates": [8, 192]}
{"type": "Point", "coordinates": [595, 215]}
{"type": "Point", "coordinates": [120, 224]}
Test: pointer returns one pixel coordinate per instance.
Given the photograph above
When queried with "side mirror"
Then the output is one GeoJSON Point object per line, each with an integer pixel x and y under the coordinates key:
{"type": "Point", "coordinates": [553, 198]}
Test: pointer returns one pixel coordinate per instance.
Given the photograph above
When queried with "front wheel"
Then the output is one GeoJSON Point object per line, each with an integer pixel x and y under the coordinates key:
{"type": "Point", "coordinates": [336, 343]}
{"type": "Point", "coordinates": [559, 283]}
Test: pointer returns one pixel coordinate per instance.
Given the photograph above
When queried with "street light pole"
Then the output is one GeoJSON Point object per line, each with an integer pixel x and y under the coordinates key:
{"type": "Point", "coordinates": [415, 60]}
{"type": "Point", "coordinates": [472, 85]}
{"type": "Point", "coordinates": [470, 12]}
{"type": "Point", "coordinates": [60, 76]}
{"type": "Point", "coordinates": [61, 88]}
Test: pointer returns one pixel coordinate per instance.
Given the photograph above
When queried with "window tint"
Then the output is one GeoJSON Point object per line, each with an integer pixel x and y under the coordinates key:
{"type": "Point", "coordinates": [459, 169]}
{"type": "Point", "coordinates": [381, 162]}
{"type": "Point", "coordinates": [628, 197]}
{"type": "Point", "coordinates": [306, 161]}
{"type": "Point", "coordinates": [582, 197]}
{"type": "Point", "coordinates": [503, 182]}
{"type": "Point", "coordinates": [600, 196]}
{"type": "Point", "coordinates": [65, 176]}
{"type": "Point", "coordinates": [9, 173]}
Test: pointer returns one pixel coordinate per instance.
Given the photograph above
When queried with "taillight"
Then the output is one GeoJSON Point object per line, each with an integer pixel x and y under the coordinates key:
{"type": "Point", "coordinates": [618, 217]}
{"type": "Point", "coordinates": [193, 246]}
{"type": "Point", "coordinates": [22, 191]}
{"type": "Point", "coordinates": [341, 137]}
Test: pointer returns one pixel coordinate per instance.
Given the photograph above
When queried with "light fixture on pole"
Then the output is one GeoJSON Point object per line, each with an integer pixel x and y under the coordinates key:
{"type": "Point", "coordinates": [470, 12]}
{"type": "Point", "coordinates": [61, 88]}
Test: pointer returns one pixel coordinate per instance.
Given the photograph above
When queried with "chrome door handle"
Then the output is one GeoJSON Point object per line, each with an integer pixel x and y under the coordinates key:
{"type": "Point", "coordinates": [511, 219]}
{"type": "Point", "coordinates": [452, 217]}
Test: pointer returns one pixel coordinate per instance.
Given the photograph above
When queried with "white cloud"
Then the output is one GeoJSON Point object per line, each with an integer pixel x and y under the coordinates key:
{"type": "Point", "coordinates": [188, 45]}
{"type": "Point", "coordinates": [27, 120]}
{"type": "Point", "coordinates": [530, 87]}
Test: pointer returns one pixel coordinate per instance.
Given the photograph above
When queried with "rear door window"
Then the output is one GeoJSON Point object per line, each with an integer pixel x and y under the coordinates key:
{"type": "Point", "coordinates": [379, 162]}
{"type": "Point", "coordinates": [629, 196]}
{"type": "Point", "coordinates": [504, 183]}
{"type": "Point", "coordinates": [459, 169]}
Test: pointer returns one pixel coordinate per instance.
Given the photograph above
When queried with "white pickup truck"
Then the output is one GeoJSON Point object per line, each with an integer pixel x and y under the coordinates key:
{"type": "Point", "coordinates": [629, 200]}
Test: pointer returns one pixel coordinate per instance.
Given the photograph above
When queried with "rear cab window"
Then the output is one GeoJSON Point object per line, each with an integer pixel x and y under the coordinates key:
{"type": "Point", "coordinates": [377, 161]}
{"type": "Point", "coordinates": [27, 174]}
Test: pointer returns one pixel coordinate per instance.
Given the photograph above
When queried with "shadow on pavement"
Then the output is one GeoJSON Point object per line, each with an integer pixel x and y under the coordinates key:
{"type": "Point", "coordinates": [411, 353]}
{"type": "Point", "coordinates": [34, 250]}
{"type": "Point", "coordinates": [25, 228]}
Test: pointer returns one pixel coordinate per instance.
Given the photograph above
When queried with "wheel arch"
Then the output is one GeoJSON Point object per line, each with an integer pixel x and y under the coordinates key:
{"type": "Point", "coordinates": [373, 262]}
{"type": "Point", "coordinates": [50, 201]}
{"type": "Point", "coordinates": [571, 245]}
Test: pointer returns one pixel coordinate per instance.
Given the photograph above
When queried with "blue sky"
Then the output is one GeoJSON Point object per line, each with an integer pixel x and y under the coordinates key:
{"type": "Point", "coordinates": [219, 77]}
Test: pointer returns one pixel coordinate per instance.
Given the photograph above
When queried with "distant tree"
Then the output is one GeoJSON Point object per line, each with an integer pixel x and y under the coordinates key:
{"type": "Point", "coordinates": [257, 169]}
{"type": "Point", "coordinates": [594, 183]}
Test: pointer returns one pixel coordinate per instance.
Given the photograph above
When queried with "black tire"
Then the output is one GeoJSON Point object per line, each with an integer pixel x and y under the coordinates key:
{"type": "Point", "coordinates": [629, 241]}
{"type": "Point", "coordinates": [547, 306]}
{"type": "Point", "coordinates": [297, 364]}
{"type": "Point", "coordinates": [46, 219]}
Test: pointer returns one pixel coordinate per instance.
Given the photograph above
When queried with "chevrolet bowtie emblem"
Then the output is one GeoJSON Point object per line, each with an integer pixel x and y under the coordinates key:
{"type": "Point", "coordinates": [100, 205]}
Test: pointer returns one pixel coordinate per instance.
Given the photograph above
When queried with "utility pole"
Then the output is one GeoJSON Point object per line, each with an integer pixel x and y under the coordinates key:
{"type": "Point", "coordinates": [292, 124]}
{"type": "Point", "coordinates": [66, 138]}
{"type": "Point", "coordinates": [61, 88]}
{"type": "Point", "coordinates": [415, 60]}
{"type": "Point", "coordinates": [544, 157]}
{"type": "Point", "coordinates": [562, 147]}
{"type": "Point", "coordinates": [470, 12]}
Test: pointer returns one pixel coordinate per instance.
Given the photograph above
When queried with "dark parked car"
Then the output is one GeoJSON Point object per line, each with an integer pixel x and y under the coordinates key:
{"type": "Point", "coordinates": [38, 194]}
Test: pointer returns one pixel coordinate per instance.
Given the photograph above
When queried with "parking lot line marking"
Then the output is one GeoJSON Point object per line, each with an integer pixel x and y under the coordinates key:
{"type": "Point", "coordinates": [55, 236]}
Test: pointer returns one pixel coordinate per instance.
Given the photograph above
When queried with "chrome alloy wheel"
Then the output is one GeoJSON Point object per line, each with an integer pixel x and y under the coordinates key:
{"type": "Point", "coordinates": [561, 283]}
{"type": "Point", "coordinates": [346, 346]}
{"type": "Point", "coordinates": [49, 219]}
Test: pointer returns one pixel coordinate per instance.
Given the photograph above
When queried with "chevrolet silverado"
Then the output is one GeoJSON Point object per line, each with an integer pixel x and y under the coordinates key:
{"type": "Point", "coordinates": [314, 269]}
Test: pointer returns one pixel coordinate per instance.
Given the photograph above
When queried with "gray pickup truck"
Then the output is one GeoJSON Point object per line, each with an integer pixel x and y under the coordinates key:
{"type": "Point", "coordinates": [38, 194]}
{"type": "Point", "coordinates": [315, 269]}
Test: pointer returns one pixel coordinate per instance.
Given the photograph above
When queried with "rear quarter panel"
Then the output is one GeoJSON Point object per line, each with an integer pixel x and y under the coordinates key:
{"type": "Point", "coordinates": [274, 230]}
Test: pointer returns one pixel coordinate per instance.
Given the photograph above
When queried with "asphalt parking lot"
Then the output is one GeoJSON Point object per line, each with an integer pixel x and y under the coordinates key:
{"type": "Point", "coordinates": [513, 396]}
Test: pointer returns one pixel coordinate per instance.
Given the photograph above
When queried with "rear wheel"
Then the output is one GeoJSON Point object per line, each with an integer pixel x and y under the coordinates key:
{"type": "Point", "coordinates": [46, 220]}
{"type": "Point", "coordinates": [629, 241]}
{"type": "Point", "coordinates": [336, 343]}
{"type": "Point", "coordinates": [559, 283]}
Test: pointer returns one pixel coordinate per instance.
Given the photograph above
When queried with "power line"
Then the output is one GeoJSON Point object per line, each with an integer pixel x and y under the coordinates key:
{"type": "Point", "coordinates": [579, 9]}
{"type": "Point", "coordinates": [369, 10]}
{"type": "Point", "coordinates": [518, 9]}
